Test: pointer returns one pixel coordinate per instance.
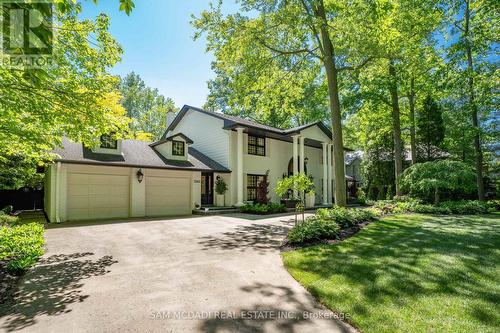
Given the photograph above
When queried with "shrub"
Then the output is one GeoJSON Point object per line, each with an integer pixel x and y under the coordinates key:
{"type": "Point", "coordinates": [263, 209]}
{"type": "Point", "coordinates": [431, 179]}
{"type": "Point", "coordinates": [21, 246]}
{"type": "Point", "coordinates": [7, 209]}
{"type": "Point", "coordinates": [327, 223]}
{"type": "Point", "coordinates": [467, 207]}
{"type": "Point", "coordinates": [220, 186]}
{"type": "Point", "coordinates": [7, 219]}
{"type": "Point", "coordinates": [313, 228]}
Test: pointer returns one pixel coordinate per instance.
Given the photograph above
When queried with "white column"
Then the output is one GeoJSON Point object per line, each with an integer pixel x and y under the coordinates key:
{"type": "Point", "coordinates": [295, 154]}
{"type": "Point", "coordinates": [239, 167]}
{"type": "Point", "coordinates": [325, 174]}
{"type": "Point", "coordinates": [330, 173]}
{"type": "Point", "coordinates": [295, 148]}
{"type": "Point", "coordinates": [301, 154]}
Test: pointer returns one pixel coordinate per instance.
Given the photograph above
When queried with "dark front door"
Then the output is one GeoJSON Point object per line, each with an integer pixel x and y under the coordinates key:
{"type": "Point", "coordinates": [207, 188]}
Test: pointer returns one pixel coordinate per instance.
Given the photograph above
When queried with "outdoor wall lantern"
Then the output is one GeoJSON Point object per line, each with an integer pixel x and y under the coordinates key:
{"type": "Point", "coordinates": [140, 176]}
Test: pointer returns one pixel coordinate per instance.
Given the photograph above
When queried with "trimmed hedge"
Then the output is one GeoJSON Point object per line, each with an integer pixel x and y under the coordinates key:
{"type": "Point", "coordinates": [263, 209]}
{"type": "Point", "coordinates": [21, 246]}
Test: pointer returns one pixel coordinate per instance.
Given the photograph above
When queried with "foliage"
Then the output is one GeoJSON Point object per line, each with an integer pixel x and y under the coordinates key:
{"type": "Point", "coordinates": [464, 207]}
{"type": "Point", "coordinates": [146, 106]}
{"type": "Point", "coordinates": [262, 189]}
{"type": "Point", "coordinates": [263, 209]}
{"type": "Point", "coordinates": [430, 127]}
{"type": "Point", "coordinates": [423, 180]}
{"type": "Point", "coordinates": [220, 186]}
{"type": "Point", "coordinates": [6, 219]}
{"type": "Point", "coordinates": [21, 246]}
{"type": "Point", "coordinates": [296, 183]}
{"type": "Point", "coordinates": [399, 271]}
{"type": "Point", "coordinates": [75, 96]}
{"type": "Point", "coordinates": [313, 229]}
{"type": "Point", "coordinates": [327, 223]}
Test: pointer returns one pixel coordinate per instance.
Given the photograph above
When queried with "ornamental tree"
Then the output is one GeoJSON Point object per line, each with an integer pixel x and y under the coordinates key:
{"type": "Point", "coordinates": [422, 180]}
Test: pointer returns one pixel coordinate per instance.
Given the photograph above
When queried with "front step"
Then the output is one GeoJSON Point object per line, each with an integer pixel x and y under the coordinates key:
{"type": "Point", "coordinates": [215, 210]}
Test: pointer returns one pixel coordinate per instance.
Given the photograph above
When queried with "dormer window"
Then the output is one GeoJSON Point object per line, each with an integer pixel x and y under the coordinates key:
{"type": "Point", "coordinates": [108, 142]}
{"type": "Point", "coordinates": [178, 148]}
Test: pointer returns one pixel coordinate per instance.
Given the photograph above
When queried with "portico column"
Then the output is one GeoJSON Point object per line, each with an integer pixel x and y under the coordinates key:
{"type": "Point", "coordinates": [295, 148]}
{"type": "Point", "coordinates": [239, 167]}
{"type": "Point", "coordinates": [301, 154]}
{"type": "Point", "coordinates": [325, 174]}
{"type": "Point", "coordinates": [330, 173]}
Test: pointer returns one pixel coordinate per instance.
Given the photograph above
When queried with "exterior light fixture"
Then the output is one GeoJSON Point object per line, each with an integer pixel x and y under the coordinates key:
{"type": "Point", "coordinates": [306, 160]}
{"type": "Point", "coordinates": [140, 176]}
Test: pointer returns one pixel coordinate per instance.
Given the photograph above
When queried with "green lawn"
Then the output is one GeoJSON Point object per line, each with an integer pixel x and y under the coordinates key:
{"type": "Point", "coordinates": [410, 273]}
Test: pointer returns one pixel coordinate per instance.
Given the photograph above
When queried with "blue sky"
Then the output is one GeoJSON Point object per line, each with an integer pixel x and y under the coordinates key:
{"type": "Point", "coordinates": [158, 45]}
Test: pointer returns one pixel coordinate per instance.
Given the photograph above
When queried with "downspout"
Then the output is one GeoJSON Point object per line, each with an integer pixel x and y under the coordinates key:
{"type": "Point", "coordinates": [58, 171]}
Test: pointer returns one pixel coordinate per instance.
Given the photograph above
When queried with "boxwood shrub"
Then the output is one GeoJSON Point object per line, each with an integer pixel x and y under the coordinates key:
{"type": "Point", "coordinates": [263, 209]}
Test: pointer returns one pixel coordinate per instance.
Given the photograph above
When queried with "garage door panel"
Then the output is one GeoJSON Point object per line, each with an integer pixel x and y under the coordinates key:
{"type": "Point", "coordinates": [167, 196]}
{"type": "Point", "coordinates": [97, 196]}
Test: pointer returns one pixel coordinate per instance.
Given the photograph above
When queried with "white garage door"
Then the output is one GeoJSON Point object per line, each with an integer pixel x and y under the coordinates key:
{"type": "Point", "coordinates": [97, 196]}
{"type": "Point", "coordinates": [167, 196]}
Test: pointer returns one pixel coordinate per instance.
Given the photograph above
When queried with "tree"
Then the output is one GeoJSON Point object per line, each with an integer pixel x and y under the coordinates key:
{"type": "Point", "coordinates": [424, 180]}
{"type": "Point", "coordinates": [298, 183]}
{"type": "Point", "coordinates": [145, 106]}
{"type": "Point", "coordinates": [279, 38]}
{"type": "Point", "coordinates": [430, 126]}
{"type": "Point", "coordinates": [75, 96]}
{"type": "Point", "coordinates": [475, 30]}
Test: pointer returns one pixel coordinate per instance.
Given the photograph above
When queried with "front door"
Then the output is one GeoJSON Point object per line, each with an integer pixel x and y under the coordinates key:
{"type": "Point", "coordinates": [207, 188]}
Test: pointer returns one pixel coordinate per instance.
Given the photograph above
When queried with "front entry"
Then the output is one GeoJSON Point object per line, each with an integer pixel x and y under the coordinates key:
{"type": "Point", "coordinates": [207, 188]}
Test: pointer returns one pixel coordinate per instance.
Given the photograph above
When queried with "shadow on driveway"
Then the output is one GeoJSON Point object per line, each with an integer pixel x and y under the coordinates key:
{"type": "Point", "coordinates": [259, 237]}
{"type": "Point", "coordinates": [280, 310]}
{"type": "Point", "coordinates": [50, 287]}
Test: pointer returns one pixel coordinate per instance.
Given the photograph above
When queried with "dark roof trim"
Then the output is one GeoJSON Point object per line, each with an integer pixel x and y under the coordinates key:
{"type": "Point", "coordinates": [138, 166]}
{"type": "Point", "coordinates": [188, 140]}
{"type": "Point", "coordinates": [232, 123]}
{"type": "Point", "coordinates": [170, 138]}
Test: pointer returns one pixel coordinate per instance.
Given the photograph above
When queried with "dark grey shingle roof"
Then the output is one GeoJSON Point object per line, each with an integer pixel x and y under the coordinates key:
{"type": "Point", "coordinates": [138, 154]}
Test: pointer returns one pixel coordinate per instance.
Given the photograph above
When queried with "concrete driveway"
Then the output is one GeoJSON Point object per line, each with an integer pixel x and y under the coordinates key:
{"type": "Point", "coordinates": [197, 274]}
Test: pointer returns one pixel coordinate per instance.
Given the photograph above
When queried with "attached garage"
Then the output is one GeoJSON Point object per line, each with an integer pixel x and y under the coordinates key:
{"type": "Point", "coordinates": [168, 196]}
{"type": "Point", "coordinates": [95, 196]}
{"type": "Point", "coordinates": [134, 179]}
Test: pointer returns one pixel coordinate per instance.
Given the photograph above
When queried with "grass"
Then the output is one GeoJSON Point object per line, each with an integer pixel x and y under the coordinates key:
{"type": "Point", "coordinates": [410, 273]}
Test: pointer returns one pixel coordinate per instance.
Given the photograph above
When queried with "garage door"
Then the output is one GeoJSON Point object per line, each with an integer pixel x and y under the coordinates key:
{"type": "Point", "coordinates": [167, 196]}
{"type": "Point", "coordinates": [97, 196]}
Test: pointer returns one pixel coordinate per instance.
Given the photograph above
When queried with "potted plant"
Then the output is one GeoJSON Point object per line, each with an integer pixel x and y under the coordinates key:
{"type": "Point", "coordinates": [310, 198]}
{"type": "Point", "coordinates": [220, 189]}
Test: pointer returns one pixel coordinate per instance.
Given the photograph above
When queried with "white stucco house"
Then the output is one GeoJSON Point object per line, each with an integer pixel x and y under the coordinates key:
{"type": "Point", "coordinates": [131, 178]}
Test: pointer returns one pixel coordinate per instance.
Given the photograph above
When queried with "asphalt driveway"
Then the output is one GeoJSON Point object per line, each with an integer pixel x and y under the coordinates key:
{"type": "Point", "coordinates": [198, 274]}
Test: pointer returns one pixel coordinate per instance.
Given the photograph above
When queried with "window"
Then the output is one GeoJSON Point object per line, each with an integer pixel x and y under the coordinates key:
{"type": "Point", "coordinates": [108, 142]}
{"type": "Point", "coordinates": [252, 183]}
{"type": "Point", "coordinates": [256, 145]}
{"type": "Point", "coordinates": [178, 148]}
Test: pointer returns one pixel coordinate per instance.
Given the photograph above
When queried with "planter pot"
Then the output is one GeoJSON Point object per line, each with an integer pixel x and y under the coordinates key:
{"type": "Point", "coordinates": [310, 200]}
{"type": "Point", "coordinates": [219, 200]}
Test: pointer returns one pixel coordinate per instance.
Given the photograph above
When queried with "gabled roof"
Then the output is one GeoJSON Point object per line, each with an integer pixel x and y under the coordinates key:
{"type": "Point", "coordinates": [234, 121]}
{"type": "Point", "coordinates": [170, 138]}
{"type": "Point", "coordinates": [135, 154]}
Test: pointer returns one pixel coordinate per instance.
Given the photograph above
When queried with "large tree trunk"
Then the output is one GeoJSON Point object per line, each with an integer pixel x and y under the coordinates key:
{"type": "Point", "coordinates": [413, 139]}
{"type": "Point", "coordinates": [473, 106]}
{"type": "Point", "coordinates": [336, 118]}
{"type": "Point", "coordinates": [396, 125]}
